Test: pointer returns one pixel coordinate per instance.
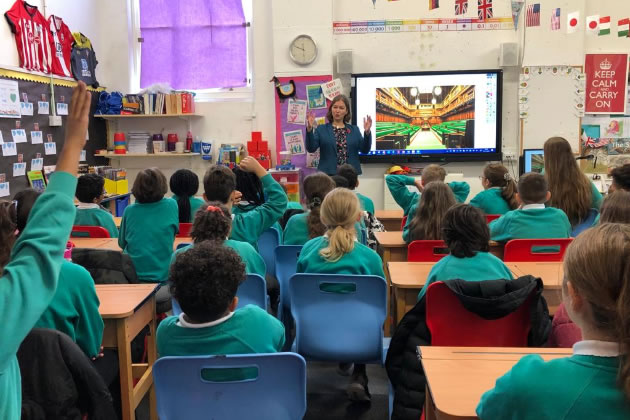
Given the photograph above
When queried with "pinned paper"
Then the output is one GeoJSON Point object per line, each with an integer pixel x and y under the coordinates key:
{"type": "Point", "coordinates": [9, 149]}
{"type": "Point", "coordinates": [3, 177]}
{"type": "Point", "coordinates": [294, 142]}
{"type": "Point", "coordinates": [623, 28]}
{"type": "Point", "coordinates": [604, 25]}
{"type": "Point", "coordinates": [315, 96]}
{"type": "Point", "coordinates": [37, 164]}
{"type": "Point", "coordinates": [62, 109]}
{"type": "Point", "coordinates": [1, 138]}
{"type": "Point", "coordinates": [523, 107]}
{"type": "Point", "coordinates": [37, 137]}
{"type": "Point", "coordinates": [296, 111]}
{"type": "Point", "coordinates": [83, 156]}
{"type": "Point", "coordinates": [555, 19]}
{"type": "Point", "coordinates": [523, 92]}
{"type": "Point", "coordinates": [523, 115]}
{"type": "Point", "coordinates": [592, 24]}
{"type": "Point", "coordinates": [9, 99]}
{"type": "Point", "coordinates": [19, 169]}
{"type": "Point", "coordinates": [573, 21]}
{"type": "Point", "coordinates": [320, 121]}
{"type": "Point", "coordinates": [43, 108]}
{"type": "Point", "coordinates": [461, 7]}
{"type": "Point", "coordinates": [484, 9]}
{"type": "Point", "coordinates": [532, 18]}
{"type": "Point", "coordinates": [332, 89]}
{"type": "Point", "coordinates": [4, 189]}
{"type": "Point", "coordinates": [50, 148]}
{"type": "Point", "coordinates": [26, 108]}
{"type": "Point", "coordinates": [19, 135]}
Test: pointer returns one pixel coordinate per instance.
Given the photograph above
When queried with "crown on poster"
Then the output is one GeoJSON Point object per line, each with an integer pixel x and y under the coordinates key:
{"type": "Point", "coordinates": [605, 65]}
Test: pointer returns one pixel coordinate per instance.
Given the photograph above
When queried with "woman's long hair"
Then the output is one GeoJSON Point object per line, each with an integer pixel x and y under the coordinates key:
{"type": "Point", "coordinates": [426, 223]}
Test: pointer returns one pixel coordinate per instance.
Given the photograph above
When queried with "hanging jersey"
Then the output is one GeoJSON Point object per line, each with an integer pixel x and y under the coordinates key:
{"type": "Point", "coordinates": [31, 36]}
{"type": "Point", "coordinates": [61, 46]}
{"type": "Point", "coordinates": [84, 60]}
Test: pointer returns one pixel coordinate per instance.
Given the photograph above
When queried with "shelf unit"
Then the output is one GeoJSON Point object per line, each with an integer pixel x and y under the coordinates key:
{"type": "Point", "coordinates": [111, 155]}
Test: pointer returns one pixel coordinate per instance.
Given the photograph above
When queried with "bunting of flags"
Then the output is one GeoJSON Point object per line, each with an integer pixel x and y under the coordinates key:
{"type": "Point", "coordinates": [555, 20]}
{"type": "Point", "coordinates": [434, 4]}
{"type": "Point", "coordinates": [484, 9]}
{"type": "Point", "coordinates": [623, 28]}
{"type": "Point", "coordinates": [461, 7]}
{"type": "Point", "coordinates": [533, 15]}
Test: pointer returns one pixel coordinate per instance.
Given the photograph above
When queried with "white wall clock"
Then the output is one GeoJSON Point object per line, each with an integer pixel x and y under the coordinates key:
{"type": "Point", "coordinates": [303, 50]}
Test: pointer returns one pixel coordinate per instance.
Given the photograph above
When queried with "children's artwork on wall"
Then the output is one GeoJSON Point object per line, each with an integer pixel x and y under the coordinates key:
{"type": "Point", "coordinates": [294, 142]}
{"type": "Point", "coordinates": [296, 111]}
{"type": "Point", "coordinates": [316, 98]}
{"type": "Point", "coordinates": [312, 159]}
{"type": "Point", "coordinates": [613, 128]}
{"type": "Point", "coordinates": [9, 99]}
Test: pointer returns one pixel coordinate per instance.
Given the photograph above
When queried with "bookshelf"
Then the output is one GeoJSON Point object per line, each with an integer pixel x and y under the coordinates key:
{"type": "Point", "coordinates": [111, 155]}
{"type": "Point", "coordinates": [118, 117]}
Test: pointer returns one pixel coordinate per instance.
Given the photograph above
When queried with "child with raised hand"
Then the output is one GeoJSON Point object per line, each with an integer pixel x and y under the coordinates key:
{"type": "Point", "coordinates": [148, 228]}
{"type": "Point", "coordinates": [219, 184]}
{"type": "Point", "coordinates": [533, 220]}
{"type": "Point", "coordinates": [213, 223]}
{"type": "Point", "coordinates": [90, 193]}
{"type": "Point", "coordinates": [350, 174]}
{"type": "Point", "coordinates": [305, 226]}
{"type": "Point", "coordinates": [466, 235]}
{"type": "Point", "coordinates": [338, 252]}
{"type": "Point", "coordinates": [594, 383]}
{"type": "Point", "coordinates": [29, 280]}
{"type": "Point", "coordinates": [204, 280]}
{"type": "Point", "coordinates": [499, 194]}
{"type": "Point", "coordinates": [184, 184]}
{"type": "Point", "coordinates": [426, 222]}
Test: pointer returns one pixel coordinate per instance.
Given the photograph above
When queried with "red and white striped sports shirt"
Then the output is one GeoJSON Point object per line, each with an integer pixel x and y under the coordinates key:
{"type": "Point", "coordinates": [31, 36]}
{"type": "Point", "coordinates": [61, 45]}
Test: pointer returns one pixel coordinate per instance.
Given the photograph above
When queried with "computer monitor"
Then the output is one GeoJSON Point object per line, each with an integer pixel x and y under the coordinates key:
{"type": "Point", "coordinates": [532, 161]}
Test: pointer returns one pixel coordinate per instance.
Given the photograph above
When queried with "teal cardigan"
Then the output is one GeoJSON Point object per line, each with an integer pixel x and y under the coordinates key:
{"type": "Point", "coordinates": [323, 138]}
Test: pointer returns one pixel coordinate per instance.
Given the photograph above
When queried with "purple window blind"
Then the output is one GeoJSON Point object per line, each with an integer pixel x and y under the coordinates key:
{"type": "Point", "coordinates": [193, 44]}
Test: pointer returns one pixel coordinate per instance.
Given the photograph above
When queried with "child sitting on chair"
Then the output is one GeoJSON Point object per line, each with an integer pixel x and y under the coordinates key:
{"type": "Point", "coordinates": [90, 193]}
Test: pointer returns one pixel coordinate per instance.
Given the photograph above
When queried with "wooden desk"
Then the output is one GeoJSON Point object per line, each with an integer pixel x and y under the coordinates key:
{"type": "Point", "coordinates": [457, 377]}
{"type": "Point", "coordinates": [391, 219]}
{"type": "Point", "coordinates": [112, 243]}
{"type": "Point", "coordinates": [126, 309]}
{"type": "Point", "coordinates": [551, 274]}
{"type": "Point", "coordinates": [407, 279]}
{"type": "Point", "coordinates": [117, 221]}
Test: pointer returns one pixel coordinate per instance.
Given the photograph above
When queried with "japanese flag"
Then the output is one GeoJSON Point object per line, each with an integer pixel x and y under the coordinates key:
{"type": "Point", "coordinates": [573, 21]}
{"type": "Point", "coordinates": [592, 25]}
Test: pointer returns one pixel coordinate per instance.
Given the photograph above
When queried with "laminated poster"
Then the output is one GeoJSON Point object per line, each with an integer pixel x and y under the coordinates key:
{"type": "Point", "coordinates": [9, 100]}
{"type": "Point", "coordinates": [294, 142]}
{"type": "Point", "coordinates": [296, 112]}
{"type": "Point", "coordinates": [316, 98]}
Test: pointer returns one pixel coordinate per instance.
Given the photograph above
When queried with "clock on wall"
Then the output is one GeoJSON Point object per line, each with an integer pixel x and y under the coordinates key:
{"type": "Point", "coordinates": [303, 50]}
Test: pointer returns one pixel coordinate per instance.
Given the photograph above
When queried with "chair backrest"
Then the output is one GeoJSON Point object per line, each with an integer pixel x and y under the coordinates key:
{"type": "Point", "coordinates": [183, 245]}
{"type": "Point", "coordinates": [549, 250]}
{"type": "Point", "coordinates": [587, 223]}
{"type": "Point", "coordinates": [106, 266]}
{"type": "Point", "coordinates": [451, 324]}
{"type": "Point", "coordinates": [286, 265]}
{"type": "Point", "coordinates": [275, 389]}
{"type": "Point", "coordinates": [426, 251]}
{"type": "Point", "coordinates": [491, 217]}
{"type": "Point", "coordinates": [89, 232]}
{"type": "Point", "coordinates": [339, 326]}
{"type": "Point", "coordinates": [267, 243]}
{"type": "Point", "coordinates": [184, 230]}
{"type": "Point", "coordinates": [403, 223]}
{"type": "Point", "coordinates": [253, 291]}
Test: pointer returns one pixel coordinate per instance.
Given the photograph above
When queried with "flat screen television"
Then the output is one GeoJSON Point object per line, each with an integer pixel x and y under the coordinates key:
{"type": "Point", "coordinates": [533, 161]}
{"type": "Point", "coordinates": [430, 116]}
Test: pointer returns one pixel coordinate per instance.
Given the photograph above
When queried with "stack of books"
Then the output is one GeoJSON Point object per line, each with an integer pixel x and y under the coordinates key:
{"type": "Point", "coordinates": [138, 142]}
{"type": "Point", "coordinates": [159, 104]}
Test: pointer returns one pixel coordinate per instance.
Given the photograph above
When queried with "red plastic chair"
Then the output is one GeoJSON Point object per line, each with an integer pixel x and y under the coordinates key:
{"type": "Point", "coordinates": [89, 232]}
{"type": "Point", "coordinates": [425, 251]}
{"type": "Point", "coordinates": [491, 217]}
{"type": "Point", "coordinates": [403, 223]}
{"type": "Point", "coordinates": [451, 324]}
{"type": "Point", "coordinates": [184, 230]}
{"type": "Point", "coordinates": [520, 250]}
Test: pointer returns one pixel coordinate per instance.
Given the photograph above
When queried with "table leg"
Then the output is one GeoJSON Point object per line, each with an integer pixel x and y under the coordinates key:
{"type": "Point", "coordinates": [151, 358]}
{"type": "Point", "coordinates": [401, 304]}
{"type": "Point", "coordinates": [389, 318]}
{"type": "Point", "coordinates": [112, 207]}
{"type": "Point", "coordinates": [126, 377]}
{"type": "Point", "coordinates": [429, 406]}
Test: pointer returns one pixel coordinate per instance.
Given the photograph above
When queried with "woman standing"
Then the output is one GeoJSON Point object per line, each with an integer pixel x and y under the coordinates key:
{"type": "Point", "coordinates": [338, 141]}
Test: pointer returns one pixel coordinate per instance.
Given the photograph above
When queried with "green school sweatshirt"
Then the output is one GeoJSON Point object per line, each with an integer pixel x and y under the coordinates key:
{"type": "Point", "coordinates": [247, 227]}
{"type": "Point", "coordinates": [147, 233]}
{"type": "Point", "coordinates": [366, 203]}
{"type": "Point", "coordinates": [97, 217]}
{"type": "Point", "coordinates": [29, 280]}
{"type": "Point", "coordinates": [597, 197]}
{"type": "Point", "coordinates": [249, 330]}
{"type": "Point", "coordinates": [361, 260]}
{"type": "Point", "coordinates": [548, 222]}
{"type": "Point", "coordinates": [573, 388]}
{"type": "Point", "coordinates": [195, 203]}
{"type": "Point", "coordinates": [254, 263]}
{"type": "Point", "coordinates": [483, 266]}
{"type": "Point", "coordinates": [294, 205]}
{"type": "Point", "coordinates": [408, 200]}
{"type": "Point", "coordinates": [491, 201]}
{"type": "Point", "coordinates": [296, 230]}
{"type": "Point", "coordinates": [74, 309]}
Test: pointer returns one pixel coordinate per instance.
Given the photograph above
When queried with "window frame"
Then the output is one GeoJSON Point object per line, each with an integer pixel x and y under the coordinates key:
{"type": "Point", "coordinates": [238, 94]}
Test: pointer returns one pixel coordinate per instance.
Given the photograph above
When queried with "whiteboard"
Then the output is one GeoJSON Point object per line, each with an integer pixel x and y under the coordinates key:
{"type": "Point", "coordinates": [552, 111]}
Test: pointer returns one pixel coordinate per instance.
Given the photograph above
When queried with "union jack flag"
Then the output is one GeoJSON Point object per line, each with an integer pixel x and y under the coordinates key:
{"type": "Point", "coordinates": [484, 9]}
{"type": "Point", "coordinates": [594, 143]}
{"type": "Point", "coordinates": [461, 7]}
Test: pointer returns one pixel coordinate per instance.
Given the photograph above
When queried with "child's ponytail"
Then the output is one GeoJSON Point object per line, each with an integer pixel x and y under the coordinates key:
{"type": "Point", "coordinates": [316, 186]}
{"type": "Point", "coordinates": [212, 223]}
{"type": "Point", "coordinates": [499, 176]}
{"type": "Point", "coordinates": [339, 212]}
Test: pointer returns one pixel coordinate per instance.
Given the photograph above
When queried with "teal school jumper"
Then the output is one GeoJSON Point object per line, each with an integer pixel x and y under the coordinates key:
{"type": "Point", "coordinates": [147, 233]}
{"type": "Point", "coordinates": [249, 330]}
{"type": "Point", "coordinates": [254, 263]}
{"type": "Point", "coordinates": [29, 280]}
{"type": "Point", "coordinates": [247, 227]}
{"type": "Point", "coordinates": [96, 217]}
{"type": "Point", "coordinates": [294, 205]}
{"type": "Point", "coordinates": [296, 230]}
{"type": "Point", "coordinates": [361, 260]}
{"type": "Point", "coordinates": [491, 201]}
{"type": "Point", "coordinates": [596, 197]}
{"type": "Point", "coordinates": [74, 309]}
{"type": "Point", "coordinates": [366, 203]}
{"type": "Point", "coordinates": [548, 222]}
{"type": "Point", "coordinates": [483, 266]}
{"type": "Point", "coordinates": [579, 387]}
{"type": "Point", "coordinates": [408, 200]}
{"type": "Point", "coordinates": [195, 204]}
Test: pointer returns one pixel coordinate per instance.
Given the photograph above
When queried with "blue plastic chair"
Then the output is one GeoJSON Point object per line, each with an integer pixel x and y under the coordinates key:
{"type": "Point", "coordinates": [267, 243]}
{"type": "Point", "coordinates": [587, 223]}
{"type": "Point", "coordinates": [253, 291]}
{"type": "Point", "coordinates": [182, 245]}
{"type": "Point", "coordinates": [286, 265]}
{"type": "Point", "coordinates": [339, 327]}
{"type": "Point", "coordinates": [278, 392]}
